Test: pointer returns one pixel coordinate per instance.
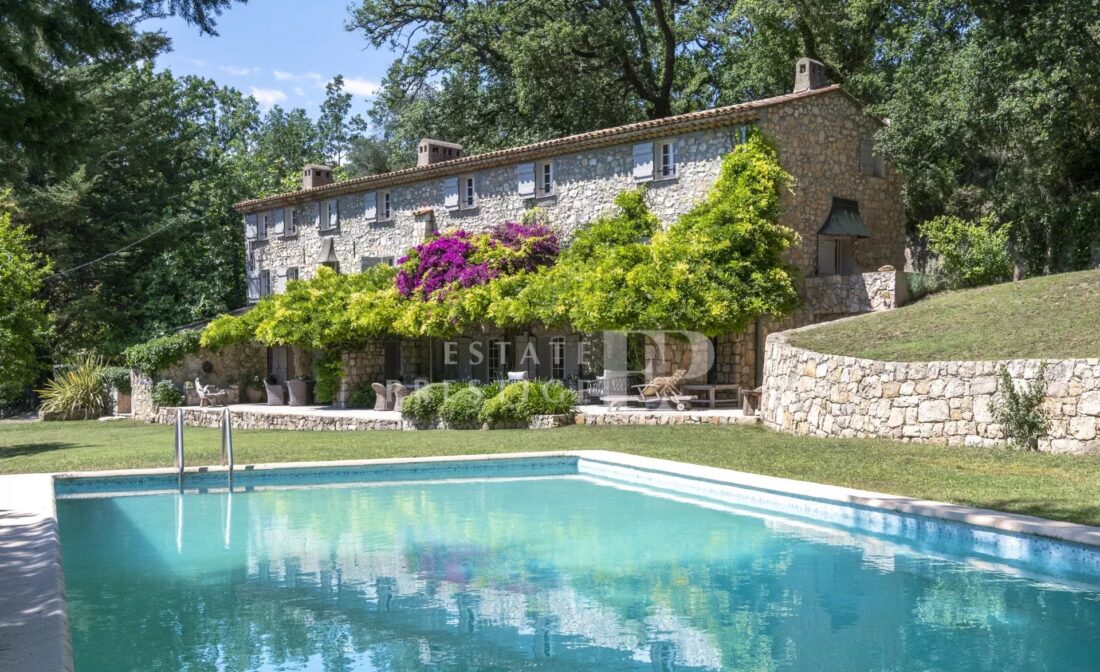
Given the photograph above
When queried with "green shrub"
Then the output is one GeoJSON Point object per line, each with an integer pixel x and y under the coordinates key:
{"type": "Point", "coordinates": [77, 391]}
{"type": "Point", "coordinates": [154, 356]}
{"type": "Point", "coordinates": [973, 253]}
{"type": "Point", "coordinates": [363, 396]}
{"type": "Point", "coordinates": [491, 389]}
{"type": "Point", "coordinates": [165, 393]}
{"type": "Point", "coordinates": [921, 285]}
{"type": "Point", "coordinates": [519, 402]}
{"type": "Point", "coordinates": [1021, 413]}
{"type": "Point", "coordinates": [329, 372]}
{"type": "Point", "coordinates": [424, 404]}
{"type": "Point", "coordinates": [462, 407]}
{"type": "Point", "coordinates": [118, 378]}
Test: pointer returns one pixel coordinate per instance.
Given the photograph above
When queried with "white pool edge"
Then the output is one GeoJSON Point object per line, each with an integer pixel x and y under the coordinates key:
{"type": "Point", "coordinates": [34, 628]}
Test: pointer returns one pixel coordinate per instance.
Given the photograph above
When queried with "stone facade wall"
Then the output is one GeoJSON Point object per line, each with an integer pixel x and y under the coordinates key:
{"type": "Point", "coordinates": [829, 296]}
{"type": "Point", "coordinates": [818, 143]}
{"type": "Point", "coordinates": [364, 365]}
{"type": "Point", "coordinates": [952, 403]}
{"type": "Point", "coordinates": [230, 368]}
{"type": "Point", "coordinates": [586, 185]}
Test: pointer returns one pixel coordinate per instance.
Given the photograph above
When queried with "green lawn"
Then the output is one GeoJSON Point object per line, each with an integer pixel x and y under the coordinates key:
{"type": "Point", "coordinates": [1055, 317]}
{"type": "Point", "coordinates": [1052, 486]}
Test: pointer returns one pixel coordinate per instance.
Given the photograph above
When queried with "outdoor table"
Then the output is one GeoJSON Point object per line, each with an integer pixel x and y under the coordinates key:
{"type": "Point", "coordinates": [711, 391]}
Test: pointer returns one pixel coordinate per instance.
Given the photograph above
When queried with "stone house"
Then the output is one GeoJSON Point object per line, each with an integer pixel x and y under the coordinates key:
{"type": "Point", "coordinates": [845, 203]}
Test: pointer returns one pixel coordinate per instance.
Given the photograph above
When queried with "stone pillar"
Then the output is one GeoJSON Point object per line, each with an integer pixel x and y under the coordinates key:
{"type": "Point", "coordinates": [141, 396]}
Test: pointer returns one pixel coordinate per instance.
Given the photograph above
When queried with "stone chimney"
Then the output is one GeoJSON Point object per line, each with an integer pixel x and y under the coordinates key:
{"type": "Point", "coordinates": [316, 175]}
{"type": "Point", "coordinates": [809, 74]}
{"type": "Point", "coordinates": [431, 151]}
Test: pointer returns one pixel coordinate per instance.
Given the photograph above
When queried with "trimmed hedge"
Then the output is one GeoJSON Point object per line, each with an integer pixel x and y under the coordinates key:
{"type": "Point", "coordinates": [154, 356]}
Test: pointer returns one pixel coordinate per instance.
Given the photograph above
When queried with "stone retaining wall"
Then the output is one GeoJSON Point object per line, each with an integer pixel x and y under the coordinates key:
{"type": "Point", "coordinates": [954, 403]}
{"type": "Point", "coordinates": [336, 422]}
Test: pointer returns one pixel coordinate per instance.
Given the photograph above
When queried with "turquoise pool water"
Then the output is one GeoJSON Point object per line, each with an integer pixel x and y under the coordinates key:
{"type": "Point", "coordinates": [536, 573]}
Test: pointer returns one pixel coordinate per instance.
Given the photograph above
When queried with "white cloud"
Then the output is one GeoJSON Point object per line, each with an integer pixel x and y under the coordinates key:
{"type": "Point", "coordinates": [237, 70]}
{"type": "Point", "coordinates": [284, 76]}
{"type": "Point", "coordinates": [299, 91]}
{"type": "Point", "coordinates": [200, 62]}
{"type": "Point", "coordinates": [361, 87]}
{"type": "Point", "coordinates": [268, 97]}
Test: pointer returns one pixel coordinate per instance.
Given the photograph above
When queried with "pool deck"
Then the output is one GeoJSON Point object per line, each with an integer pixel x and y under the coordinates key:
{"type": "Point", "coordinates": [34, 624]}
{"type": "Point", "coordinates": [34, 631]}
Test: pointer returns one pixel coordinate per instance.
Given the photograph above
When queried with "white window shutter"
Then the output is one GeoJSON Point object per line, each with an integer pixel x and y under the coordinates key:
{"type": "Point", "coordinates": [370, 211]}
{"type": "Point", "coordinates": [278, 222]}
{"type": "Point", "coordinates": [525, 179]}
{"type": "Point", "coordinates": [251, 226]}
{"type": "Point", "coordinates": [253, 280]}
{"type": "Point", "coordinates": [450, 192]}
{"type": "Point", "coordinates": [643, 161]}
{"type": "Point", "coordinates": [288, 221]}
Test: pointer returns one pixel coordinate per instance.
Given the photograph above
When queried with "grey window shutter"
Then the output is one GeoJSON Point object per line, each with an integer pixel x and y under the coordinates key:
{"type": "Point", "coordinates": [643, 161]}
{"type": "Point", "coordinates": [253, 280]}
{"type": "Point", "coordinates": [826, 256]}
{"type": "Point", "coordinates": [370, 201]}
{"type": "Point", "coordinates": [525, 179]}
{"type": "Point", "coordinates": [250, 226]}
{"type": "Point", "coordinates": [866, 156]}
{"type": "Point", "coordinates": [450, 192]}
{"type": "Point", "coordinates": [542, 349]}
{"type": "Point", "coordinates": [317, 214]}
{"type": "Point", "coordinates": [279, 285]}
{"type": "Point", "coordinates": [277, 219]}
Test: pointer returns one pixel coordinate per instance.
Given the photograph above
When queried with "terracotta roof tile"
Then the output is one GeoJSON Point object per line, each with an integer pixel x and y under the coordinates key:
{"type": "Point", "coordinates": [592, 139]}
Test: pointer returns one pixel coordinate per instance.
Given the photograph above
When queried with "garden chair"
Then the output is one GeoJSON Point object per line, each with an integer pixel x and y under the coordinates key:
{"type": "Point", "coordinates": [299, 392]}
{"type": "Point", "coordinates": [381, 397]}
{"type": "Point", "coordinates": [276, 396]}
{"type": "Point", "coordinates": [209, 395]}
{"type": "Point", "coordinates": [399, 393]}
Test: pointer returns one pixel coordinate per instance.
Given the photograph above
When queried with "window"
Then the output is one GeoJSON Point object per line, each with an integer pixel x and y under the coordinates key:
{"type": "Point", "coordinates": [330, 215]}
{"type": "Point", "coordinates": [667, 160]}
{"type": "Point", "coordinates": [367, 262]}
{"type": "Point", "coordinates": [292, 222]}
{"type": "Point", "coordinates": [266, 224]}
{"type": "Point", "coordinates": [291, 273]}
{"type": "Point", "coordinates": [870, 163]}
{"type": "Point", "coordinates": [557, 357]}
{"type": "Point", "coordinates": [834, 256]}
{"type": "Point", "coordinates": [385, 207]}
{"type": "Point", "coordinates": [546, 179]}
{"type": "Point", "coordinates": [497, 357]}
{"type": "Point", "coordinates": [469, 192]}
{"type": "Point", "coordinates": [265, 283]}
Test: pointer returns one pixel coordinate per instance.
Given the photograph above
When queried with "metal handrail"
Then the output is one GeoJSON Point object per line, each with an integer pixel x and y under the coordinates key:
{"type": "Point", "coordinates": [227, 443]}
{"type": "Point", "coordinates": [179, 445]}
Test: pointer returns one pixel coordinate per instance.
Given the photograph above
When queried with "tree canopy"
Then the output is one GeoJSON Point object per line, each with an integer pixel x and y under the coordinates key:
{"type": "Point", "coordinates": [23, 323]}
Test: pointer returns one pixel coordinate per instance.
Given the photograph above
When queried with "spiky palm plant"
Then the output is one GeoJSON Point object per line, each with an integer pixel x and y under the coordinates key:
{"type": "Point", "coordinates": [78, 391]}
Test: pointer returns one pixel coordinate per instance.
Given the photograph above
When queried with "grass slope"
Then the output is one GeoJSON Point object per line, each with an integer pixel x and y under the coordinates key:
{"type": "Point", "coordinates": [1053, 486]}
{"type": "Point", "coordinates": [1053, 317]}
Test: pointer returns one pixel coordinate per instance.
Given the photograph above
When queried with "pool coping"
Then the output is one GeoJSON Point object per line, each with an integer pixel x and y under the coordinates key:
{"type": "Point", "coordinates": [34, 628]}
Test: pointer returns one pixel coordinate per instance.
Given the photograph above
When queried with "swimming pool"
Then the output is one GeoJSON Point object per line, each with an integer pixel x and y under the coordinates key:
{"type": "Point", "coordinates": [551, 563]}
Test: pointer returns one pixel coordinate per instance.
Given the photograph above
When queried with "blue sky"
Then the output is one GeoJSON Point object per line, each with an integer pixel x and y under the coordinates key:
{"type": "Point", "coordinates": [281, 51]}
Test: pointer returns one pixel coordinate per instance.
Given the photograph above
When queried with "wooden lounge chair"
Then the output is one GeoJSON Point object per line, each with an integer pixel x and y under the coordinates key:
{"type": "Point", "coordinates": [662, 389]}
{"type": "Point", "coordinates": [381, 397]}
{"type": "Point", "coordinates": [210, 395]}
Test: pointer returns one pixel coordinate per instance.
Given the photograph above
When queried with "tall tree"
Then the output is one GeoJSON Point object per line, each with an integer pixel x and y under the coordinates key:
{"type": "Point", "coordinates": [23, 322]}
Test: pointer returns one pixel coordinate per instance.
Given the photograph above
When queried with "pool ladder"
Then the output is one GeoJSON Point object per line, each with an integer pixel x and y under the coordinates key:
{"type": "Point", "coordinates": [227, 445]}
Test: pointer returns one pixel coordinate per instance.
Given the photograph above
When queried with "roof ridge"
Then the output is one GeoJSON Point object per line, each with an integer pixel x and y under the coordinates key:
{"type": "Point", "coordinates": [453, 165]}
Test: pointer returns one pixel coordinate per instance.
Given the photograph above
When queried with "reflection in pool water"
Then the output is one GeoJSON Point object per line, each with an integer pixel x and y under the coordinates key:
{"type": "Point", "coordinates": [556, 573]}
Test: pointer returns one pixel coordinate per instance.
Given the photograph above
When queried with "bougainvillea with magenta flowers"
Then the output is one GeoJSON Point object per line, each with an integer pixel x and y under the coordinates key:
{"type": "Point", "coordinates": [457, 259]}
